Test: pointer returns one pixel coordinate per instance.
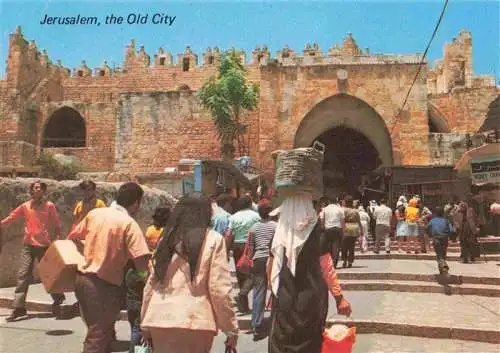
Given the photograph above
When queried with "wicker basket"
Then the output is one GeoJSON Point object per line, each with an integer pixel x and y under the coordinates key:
{"type": "Point", "coordinates": [300, 170]}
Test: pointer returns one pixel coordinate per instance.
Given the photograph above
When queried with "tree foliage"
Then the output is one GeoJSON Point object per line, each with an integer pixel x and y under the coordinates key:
{"type": "Point", "coordinates": [226, 96]}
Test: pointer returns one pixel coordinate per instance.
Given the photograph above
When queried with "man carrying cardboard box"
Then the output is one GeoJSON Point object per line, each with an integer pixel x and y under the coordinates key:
{"type": "Point", "coordinates": [40, 221]}
{"type": "Point", "coordinates": [112, 237]}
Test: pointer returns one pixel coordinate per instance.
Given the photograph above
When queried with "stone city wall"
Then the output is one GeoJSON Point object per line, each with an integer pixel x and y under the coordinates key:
{"type": "Point", "coordinates": [64, 194]}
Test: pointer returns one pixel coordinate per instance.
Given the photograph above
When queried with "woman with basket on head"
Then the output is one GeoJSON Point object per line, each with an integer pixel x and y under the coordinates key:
{"type": "Point", "coordinates": [300, 267]}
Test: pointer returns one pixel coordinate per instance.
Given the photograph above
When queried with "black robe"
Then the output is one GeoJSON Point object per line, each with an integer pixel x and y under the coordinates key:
{"type": "Point", "coordinates": [300, 309]}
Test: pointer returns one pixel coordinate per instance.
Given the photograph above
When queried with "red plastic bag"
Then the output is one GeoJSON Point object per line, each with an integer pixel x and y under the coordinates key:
{"type": "Point", "coordinates": [344, 345]}
{"type": "Point", "coordinates": [245, 262]}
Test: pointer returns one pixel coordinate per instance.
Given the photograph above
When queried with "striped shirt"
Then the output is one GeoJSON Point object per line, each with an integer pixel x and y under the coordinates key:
{"type": "Point", "coordinates": [261, 236]}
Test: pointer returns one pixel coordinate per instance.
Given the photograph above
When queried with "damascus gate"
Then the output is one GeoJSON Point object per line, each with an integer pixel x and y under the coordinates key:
{"type": "Point", "coordinates": [143, 116]}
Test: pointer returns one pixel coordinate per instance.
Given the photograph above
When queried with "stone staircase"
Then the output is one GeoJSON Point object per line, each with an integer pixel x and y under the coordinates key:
{"type": "Point", "coordinates": [390, 297]}
{"type": "Point", "coordinates": [404, 298]}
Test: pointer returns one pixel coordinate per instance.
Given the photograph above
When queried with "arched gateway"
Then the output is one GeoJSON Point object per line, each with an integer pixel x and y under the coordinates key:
{"type": "Point", "coordinates": [356, 138]}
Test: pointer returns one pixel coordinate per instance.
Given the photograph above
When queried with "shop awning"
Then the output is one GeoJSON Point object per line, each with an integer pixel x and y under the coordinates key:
{"type": "Point", "coordinates": [481, 163]}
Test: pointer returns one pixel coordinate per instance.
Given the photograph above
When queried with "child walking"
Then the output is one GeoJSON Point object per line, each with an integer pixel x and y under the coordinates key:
{"type": "Point", "coordinates": [441, 230]}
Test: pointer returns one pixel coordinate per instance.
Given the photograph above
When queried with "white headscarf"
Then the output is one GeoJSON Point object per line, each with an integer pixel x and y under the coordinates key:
{"type": "Point", "coordinates": [402, 201]}
{"type": "Point", "coordinates": [297, 220]}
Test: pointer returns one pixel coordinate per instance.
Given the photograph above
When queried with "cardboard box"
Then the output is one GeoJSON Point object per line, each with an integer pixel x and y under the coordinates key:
{"type": "Point", "coordinates": [57, 268]}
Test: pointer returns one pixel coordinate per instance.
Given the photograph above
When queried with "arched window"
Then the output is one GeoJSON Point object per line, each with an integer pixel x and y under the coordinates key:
{"type": "Point", "coordinates": [65, 128]}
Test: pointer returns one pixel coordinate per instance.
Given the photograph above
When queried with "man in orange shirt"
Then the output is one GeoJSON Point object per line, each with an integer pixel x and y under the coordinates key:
{"type": "Point", "coordinates": [41, 228]}
{"type": "Point", "coordinates": [112, 237]}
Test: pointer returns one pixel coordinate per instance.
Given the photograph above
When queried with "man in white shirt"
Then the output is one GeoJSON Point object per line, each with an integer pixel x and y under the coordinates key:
{"type": "Point", "coordinates": [383, 217]}
{"type": "Point", "coordinates": [332, 218]}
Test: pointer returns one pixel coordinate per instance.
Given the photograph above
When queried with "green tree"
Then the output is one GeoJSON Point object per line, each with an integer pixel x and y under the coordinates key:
{"type": "Point", "coordinates": [226, 96]}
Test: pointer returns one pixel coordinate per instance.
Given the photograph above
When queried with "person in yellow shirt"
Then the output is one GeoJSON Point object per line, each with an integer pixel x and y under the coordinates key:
{"type": "Point", "coordinates": [154, 231]}
{"type": "Point", "coordinates": [412, 214]}
{"type": "Point", "coordinates": [88, 203]}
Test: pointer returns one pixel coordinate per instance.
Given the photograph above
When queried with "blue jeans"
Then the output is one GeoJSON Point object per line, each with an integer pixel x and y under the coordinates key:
{"type": "Point", "coordinates": [259, 292]}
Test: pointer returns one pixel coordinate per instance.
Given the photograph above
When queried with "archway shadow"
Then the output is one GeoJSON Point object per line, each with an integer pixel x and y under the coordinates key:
{"type": "Point", "coordinates": [350, 161]}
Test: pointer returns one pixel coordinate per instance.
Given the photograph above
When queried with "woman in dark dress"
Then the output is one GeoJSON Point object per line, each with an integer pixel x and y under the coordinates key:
{"type": "Point", "coordinates": [302, 274]}
{"type": "Point", "coordinates": [468, 231]}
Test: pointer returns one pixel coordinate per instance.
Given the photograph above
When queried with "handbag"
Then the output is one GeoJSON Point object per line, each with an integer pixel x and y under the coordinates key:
{"type": "Point", "coordinates": [143, 348]}
{"type": "Point", "coordinates": [230, 350]}
{"type": "Point", "coordinates": [245, 262]}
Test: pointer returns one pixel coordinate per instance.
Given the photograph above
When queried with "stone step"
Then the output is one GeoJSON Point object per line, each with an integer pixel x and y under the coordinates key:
{"type": "Point", "coordinates": [386, 276]}
{"type": "Point", "coordinates": [432, 315]}
{"type": "Point", "coordinates": [396, 248]}
{"type": "Point", "coordinates": [421, 256]}
{"type": "Point", "coordinates": [424, 270]}
{"type": "Point", "coordinates": [374, 342]}
{"type": "Point", "coordinates": [421, 287]}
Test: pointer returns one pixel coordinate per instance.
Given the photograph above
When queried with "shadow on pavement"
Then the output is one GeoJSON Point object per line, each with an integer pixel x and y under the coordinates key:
{"type": "Point", "coordinates": [120, 346]}
{"type": "Point", "coordinates": [40, 316]}
{"type": "Point", "coordinates": [59, 332]}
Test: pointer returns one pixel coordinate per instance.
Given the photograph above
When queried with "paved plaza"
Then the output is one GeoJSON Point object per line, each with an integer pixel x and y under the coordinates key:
{"type": "Point", "coordinates": [41, 334]}
{"type": "Point", "coordinates": [393, 309]}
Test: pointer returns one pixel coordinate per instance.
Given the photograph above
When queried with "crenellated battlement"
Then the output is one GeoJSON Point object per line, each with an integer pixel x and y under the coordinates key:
{"type": "Point", "coordinates": [136, 58]}
{"type": "Point", "coordinates": [22, 52]}
{"type": "Point", "coordinates": [453, 70]}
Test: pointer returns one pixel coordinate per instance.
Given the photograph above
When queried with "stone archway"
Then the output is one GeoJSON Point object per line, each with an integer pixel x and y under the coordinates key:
{"type": "Point", "coordinates": [64, 128]}
{"type": "Point", "coordinates": [356, 138]}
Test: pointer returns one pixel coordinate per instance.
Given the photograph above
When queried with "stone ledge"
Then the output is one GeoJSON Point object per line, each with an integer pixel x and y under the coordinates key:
{"type": "Point", "coordinates": [394, 248]}
{"type": "Point", "coordinates": [427, 256]}
{"type": "Point", "coordinates": [386, 276]}
{"type": "Point", "coordinates": [401, 329]}
{"type": "Point", "coordinates": [420, 287]}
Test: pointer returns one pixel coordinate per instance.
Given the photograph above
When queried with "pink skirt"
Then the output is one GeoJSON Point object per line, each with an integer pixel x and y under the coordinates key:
{"type": "Point", "coordinates": [177, 340]}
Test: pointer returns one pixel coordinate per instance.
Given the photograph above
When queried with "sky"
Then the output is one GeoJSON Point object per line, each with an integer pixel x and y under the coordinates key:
{"type": "Point", "coordinates": [398, 26]}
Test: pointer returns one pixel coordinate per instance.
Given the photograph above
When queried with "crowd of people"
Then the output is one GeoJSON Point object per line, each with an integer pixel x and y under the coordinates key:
{"type": "Point", "coordinates": [411, 223]}
{"type": "Point", "coordinates": [175, 277]}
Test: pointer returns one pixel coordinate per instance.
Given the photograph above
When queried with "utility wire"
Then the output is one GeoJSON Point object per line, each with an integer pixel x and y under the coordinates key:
{"type": "Point", "coordinates": [398, 116]}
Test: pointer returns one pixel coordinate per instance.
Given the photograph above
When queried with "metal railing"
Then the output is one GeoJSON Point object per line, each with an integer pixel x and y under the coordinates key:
{"type": "Point", "coordinates": [62, 142]}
